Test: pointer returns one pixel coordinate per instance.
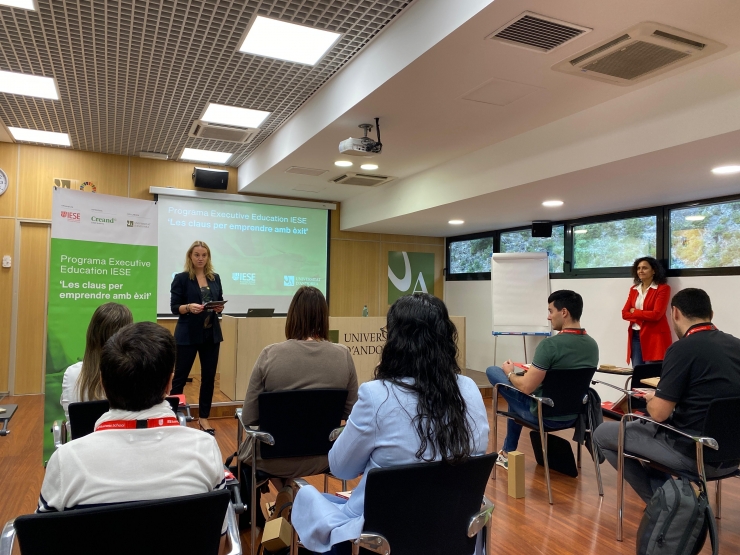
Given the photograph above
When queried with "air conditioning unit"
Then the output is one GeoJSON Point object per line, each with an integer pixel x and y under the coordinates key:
{"type": "Point", "coordinates": [204, 130]}
{"type": "Point", "coordinates": [361, 179]}
{"type": "Point", "coordinates": [639, 53]}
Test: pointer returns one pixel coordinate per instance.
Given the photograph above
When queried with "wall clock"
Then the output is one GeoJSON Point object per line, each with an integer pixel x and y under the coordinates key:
{"type": "Point", "coordinates": [3, 181]}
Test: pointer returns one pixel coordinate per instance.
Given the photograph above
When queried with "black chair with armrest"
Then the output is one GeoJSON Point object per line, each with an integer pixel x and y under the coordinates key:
{"type": "Point", "coordinates": [294, 423]}
{"type": "Point", "coordinates": [564, 392]}
{"type": "Point", "coordinates": [719, 435]}
{"type": "Point", "coordinates": [189, 525]}
{"type": "Point", "coordinates": [83, 415]}
{"type": "Point", "coordinates": [431, 508]}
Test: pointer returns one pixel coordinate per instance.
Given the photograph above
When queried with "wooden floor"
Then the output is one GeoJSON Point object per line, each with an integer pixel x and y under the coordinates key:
{"type": "Point", "coordinates": [579, 521]}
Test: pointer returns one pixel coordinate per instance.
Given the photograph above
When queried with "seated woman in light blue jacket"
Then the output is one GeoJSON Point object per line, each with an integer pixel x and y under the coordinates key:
{"type": "Point", "coordinates": [418, 408]}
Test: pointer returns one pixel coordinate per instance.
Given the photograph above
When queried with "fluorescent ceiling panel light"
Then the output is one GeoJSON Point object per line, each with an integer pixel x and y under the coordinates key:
{"type": "Point", "coordinates": [33, 136]}
{"type": "Point", "coordinates": [28, 85]}
{"type": "Point", "coordinates": [456, 222]}
{"type": "Point", "coordinates": [231, 115]}
{"type": "Point", "coordinates": [581, 231]}
{"type": "Point", "coordinates": [198, 155]}
{"type": "Point", "coordinates": [369, 166]}
{"type": "Point", "coordinates": [287, 41]}
{"type": "Point", "coordinates": [343, 163]}
{"type": "Point", "coordinates": [25, 4]}
{"type": "Point", "coordinates": [553, 203]}
{"type": "Point", "coordinates": [725, 170]}
{"type": "Point", "coordinates": [694, 218]}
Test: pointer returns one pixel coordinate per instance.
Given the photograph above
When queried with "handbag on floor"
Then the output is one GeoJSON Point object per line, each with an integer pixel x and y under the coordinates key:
{"type": "Point", "coordinates": [676, 521]}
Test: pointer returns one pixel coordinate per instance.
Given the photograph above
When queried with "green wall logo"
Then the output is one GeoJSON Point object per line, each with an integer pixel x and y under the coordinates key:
{"type": "Point", "coordinates": [409, 272]}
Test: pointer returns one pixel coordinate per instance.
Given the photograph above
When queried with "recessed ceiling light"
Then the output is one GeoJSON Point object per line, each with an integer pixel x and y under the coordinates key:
{"type": "Point", "coordinates": [198, 155]}
{"type": "Point", "coordinates": [25, 4]}
{"type": "Point", "coordinates": [694, 218]}
{"type": "Point", "coordinates": [725, 170]}
{"type": "Point", "coordinates": [581, 231]}
{"type": "Point", "coordinates": [287, 41]}
{"type": "Point", "coordinates": [369, 166]}
{"type": "Point", "coordinates": [231, 115]}
{"type": "Point", "coordinates": [34, 136]}
{"type": "Point", "coordinates": [553, 203]}
{"type": "Point", "coordinates": [343, 163]}
{"type": "Point", "coordinates": [456, 222]}
{"type": "Point", "coordinates": [28, 85]}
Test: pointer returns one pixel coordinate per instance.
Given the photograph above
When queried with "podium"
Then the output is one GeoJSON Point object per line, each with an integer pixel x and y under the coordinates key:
{"type": "Point", "coordinates": [244, 339]}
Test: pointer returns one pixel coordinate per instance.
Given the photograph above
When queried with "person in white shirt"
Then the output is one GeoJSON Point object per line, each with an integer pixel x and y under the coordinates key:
{"type": "Point", "coordinates": [81, 381]}
{"type": "Point", "coordinates": [138, 451]}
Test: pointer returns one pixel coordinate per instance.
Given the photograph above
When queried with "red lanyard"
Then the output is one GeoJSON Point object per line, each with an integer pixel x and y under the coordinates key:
{"type": "Point", "coordinates": [138, 424]}
{"type": "Point", "coordinates": [574, 331]}
{"type": "Point", "coordinates": [697, 329]}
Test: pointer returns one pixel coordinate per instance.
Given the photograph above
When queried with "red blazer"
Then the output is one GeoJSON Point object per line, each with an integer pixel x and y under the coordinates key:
{"type": "Point", "coordinates": [655, 333]}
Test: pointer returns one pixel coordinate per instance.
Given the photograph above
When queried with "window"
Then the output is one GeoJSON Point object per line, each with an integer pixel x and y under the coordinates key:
{"type": "Point", "coordinates": [705, 236]}
{"type": "Point", "coordinates": [522, 241]}
{"type": "Point", "coordinates": [468, 257]}
{"type": "Point", "coordinates": [615, 243]}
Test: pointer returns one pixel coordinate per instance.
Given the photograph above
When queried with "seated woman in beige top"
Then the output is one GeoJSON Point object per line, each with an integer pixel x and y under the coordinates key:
{"type": "Point", "coordinates": [307, 360]}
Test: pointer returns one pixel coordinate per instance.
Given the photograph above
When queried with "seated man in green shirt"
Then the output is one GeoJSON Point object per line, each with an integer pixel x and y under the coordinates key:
{"type": "Point", "coordinates": [571, 349]}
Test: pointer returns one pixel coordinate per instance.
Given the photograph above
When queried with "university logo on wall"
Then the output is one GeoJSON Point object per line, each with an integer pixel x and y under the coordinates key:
{"type": "Point", "coordinates": [409, 272]}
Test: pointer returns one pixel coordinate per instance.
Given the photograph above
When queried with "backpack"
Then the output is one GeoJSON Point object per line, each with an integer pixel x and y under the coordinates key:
{"type": "Point", "coordinates": [676, 521]}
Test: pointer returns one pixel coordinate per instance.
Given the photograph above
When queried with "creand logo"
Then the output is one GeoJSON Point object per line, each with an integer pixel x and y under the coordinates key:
{"type": "Point", "coordinates": [71, 216]}
{"type": "Point", "coordinates": [97, 220]}
{"type": "Point", "coordinates": [416, 270]}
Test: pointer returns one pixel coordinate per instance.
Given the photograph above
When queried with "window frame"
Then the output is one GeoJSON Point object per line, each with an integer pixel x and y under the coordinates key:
{"type": "Point", "coordinates": [662, 244]}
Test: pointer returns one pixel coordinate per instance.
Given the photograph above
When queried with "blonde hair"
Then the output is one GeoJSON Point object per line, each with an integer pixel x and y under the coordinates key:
{"type": "Point", "coordinates": [107, 319]}
{"type": "Point", "coordinates": [207, 269]}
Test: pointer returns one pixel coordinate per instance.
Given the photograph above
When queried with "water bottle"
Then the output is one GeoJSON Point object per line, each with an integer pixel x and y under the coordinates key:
{"type": "Point", "coordinates": [364, 311]}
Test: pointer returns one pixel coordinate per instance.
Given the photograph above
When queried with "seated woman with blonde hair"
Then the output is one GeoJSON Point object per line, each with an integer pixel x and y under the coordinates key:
{"type": "Point", "coordinates": [81, 381]}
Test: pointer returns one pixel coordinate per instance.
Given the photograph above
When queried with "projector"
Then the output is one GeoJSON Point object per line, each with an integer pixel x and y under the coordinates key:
{"type": "Point", "coordinates": [364, 146]}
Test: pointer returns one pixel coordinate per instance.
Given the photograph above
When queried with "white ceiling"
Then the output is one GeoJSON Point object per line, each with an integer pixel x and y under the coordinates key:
{"type": "Point", "coordinates": [443, 149]}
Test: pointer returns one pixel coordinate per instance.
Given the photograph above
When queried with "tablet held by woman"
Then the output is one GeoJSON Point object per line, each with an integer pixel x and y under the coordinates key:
{"type": "Point", "coordinates": [649, 334]}
{"type": "Point", "coordinates": [198, 329]}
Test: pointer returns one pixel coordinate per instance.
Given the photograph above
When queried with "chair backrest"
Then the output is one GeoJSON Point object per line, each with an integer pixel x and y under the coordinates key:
{"type": "Point", "coordinates": [640, 372]}
{"type": "Point", "coordinates": [174, 403]}
{"type": "Point", "coordinates": [82, 416]}
{"type": "Point", "coordinates": [426, 507]}
{"type": "Point", "coordinates": [567, 389]}
{"type": "Point", "coordinates": [182, 525]}
{"type": "Point", "coordinates": [721, 423]}
{"type": "Point", "coordinates": [300, 421]}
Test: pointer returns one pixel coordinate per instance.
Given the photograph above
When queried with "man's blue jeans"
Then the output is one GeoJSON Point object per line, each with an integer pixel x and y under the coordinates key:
{"type": "Point", "coordinates": [519, 404]}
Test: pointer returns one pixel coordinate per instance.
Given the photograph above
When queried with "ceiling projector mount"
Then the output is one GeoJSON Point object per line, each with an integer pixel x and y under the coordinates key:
{"type": "Point", "coordinates": [363, 146]}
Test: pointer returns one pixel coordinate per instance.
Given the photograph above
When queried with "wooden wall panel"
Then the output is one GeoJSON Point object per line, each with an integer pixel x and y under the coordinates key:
{"type": "Point", "coordinates": [40, 165]}
{"type": "Point", "coordinates": [7, 238]}
{"type": "Point", "coordinates": [147, 173]}
{"type": "Point", "coordinates": [353, 278]}
{"type": "Point", "coordinates": [9, 164]}
{"type": "Point", "coordinates": [31, 318]}
{"type": "Point", "coordinates": [418, 239]}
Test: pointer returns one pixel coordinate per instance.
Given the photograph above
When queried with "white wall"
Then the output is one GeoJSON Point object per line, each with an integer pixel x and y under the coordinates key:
{"type": "Point", "coordinates": [602, 299]}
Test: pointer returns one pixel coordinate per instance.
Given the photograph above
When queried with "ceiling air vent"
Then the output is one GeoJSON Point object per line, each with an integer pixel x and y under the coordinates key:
{"type": "Point", "coordinates": [361, 179]}
{"type": "Point", "coordinates": [537, 32]}
{"type": "Point", "coordinates": [639, 53]}
{"type": "Point", "coordinates": [204, 130]}
{"type": "Point", "coordinates": [315, 172]}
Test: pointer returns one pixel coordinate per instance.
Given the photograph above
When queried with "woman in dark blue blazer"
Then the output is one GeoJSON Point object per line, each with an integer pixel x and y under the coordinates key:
{"type": "Point", "coordinates": [198, 331]}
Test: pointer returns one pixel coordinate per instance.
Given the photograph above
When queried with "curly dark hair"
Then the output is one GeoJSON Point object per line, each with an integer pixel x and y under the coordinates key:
{"type": "Point", "coordinates": [422, 344]}
{"type": "Point", "coordinates": [659, 277]}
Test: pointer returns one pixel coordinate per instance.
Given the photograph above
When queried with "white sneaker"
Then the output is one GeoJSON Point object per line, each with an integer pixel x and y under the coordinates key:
{"type": "Point", "coordinates": [502, 460]}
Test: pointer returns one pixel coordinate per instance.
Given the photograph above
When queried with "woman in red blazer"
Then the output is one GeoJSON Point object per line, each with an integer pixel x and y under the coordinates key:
{"type": "Point", "coordinates": [649, 334]}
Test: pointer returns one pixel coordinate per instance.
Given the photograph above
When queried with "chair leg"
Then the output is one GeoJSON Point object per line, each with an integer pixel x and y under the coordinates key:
{"type": "Point", "coordinates": [543, 439]}
{"type": "Point", "coordinates": [494, 417]}
{"type": "Point", "coordinates": [578, 455]}
{"type": "Point", "coordinates": [620, 480]}
{"type": "Point", "coordinates": [326, 483]}
{"type": "Point", "coordinates": [344, 485]}
{"type": "Point", "coordinates": [718, 496]}
{"type": "Point", "coordinates": [253, 501]}
{"type": "Point", "coordinates": [594, 454]}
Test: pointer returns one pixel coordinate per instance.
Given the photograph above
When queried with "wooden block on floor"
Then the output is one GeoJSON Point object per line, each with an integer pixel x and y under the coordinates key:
{"type": "Point", "coordinates": [516, 474]}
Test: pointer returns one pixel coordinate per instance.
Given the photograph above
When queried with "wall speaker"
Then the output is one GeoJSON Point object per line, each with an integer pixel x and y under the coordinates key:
{"type": "Point", "coordinates": [541, 229]}
{"type": "Point", "coordinates": [206, 178]}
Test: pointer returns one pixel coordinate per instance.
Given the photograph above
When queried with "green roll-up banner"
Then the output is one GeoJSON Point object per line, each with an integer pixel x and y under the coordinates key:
{"type": "Point", "coordinates": [103, 249]}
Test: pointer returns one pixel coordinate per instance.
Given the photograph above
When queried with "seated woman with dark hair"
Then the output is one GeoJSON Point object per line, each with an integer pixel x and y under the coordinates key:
{"type": "Point", "coordinates": [418, 408]}
{"type": "Point", "coordinates": [306, 360]}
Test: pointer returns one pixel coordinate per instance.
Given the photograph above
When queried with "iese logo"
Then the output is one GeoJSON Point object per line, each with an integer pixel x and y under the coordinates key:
{"type": "Point", "coordinates": [249, 278]}
{"type": "Point", "coordinates": [71, 216]}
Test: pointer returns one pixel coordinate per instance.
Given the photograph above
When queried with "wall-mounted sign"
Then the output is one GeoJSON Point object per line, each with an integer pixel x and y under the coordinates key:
{"type": "Point", "coordinates": [409, 272]}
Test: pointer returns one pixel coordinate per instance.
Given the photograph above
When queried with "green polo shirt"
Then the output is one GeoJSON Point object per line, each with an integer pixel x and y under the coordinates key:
{"type": "Point", "coordinates": [563, 352]}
